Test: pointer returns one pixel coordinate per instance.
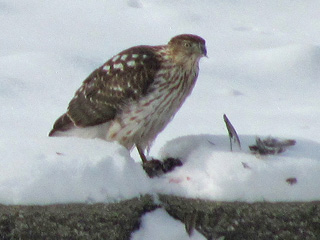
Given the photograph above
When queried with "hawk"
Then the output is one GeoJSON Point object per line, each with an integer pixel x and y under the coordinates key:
{"type": "Point", "coordinates": [134, 95]}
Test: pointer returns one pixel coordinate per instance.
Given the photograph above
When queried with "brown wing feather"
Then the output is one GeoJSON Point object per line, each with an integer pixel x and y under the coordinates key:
{"type": "Point", "coordinates": [124, 78]}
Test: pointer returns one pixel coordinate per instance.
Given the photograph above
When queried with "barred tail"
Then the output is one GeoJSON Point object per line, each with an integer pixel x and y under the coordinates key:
{"type": "Point", "coordinates": [63, 123]}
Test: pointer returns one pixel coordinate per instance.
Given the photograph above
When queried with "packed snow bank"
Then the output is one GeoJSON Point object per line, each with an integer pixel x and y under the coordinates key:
{"type": "Point", "coordinates": [63, 170]}
{"type": "Point", "coordinates": [211, 171]}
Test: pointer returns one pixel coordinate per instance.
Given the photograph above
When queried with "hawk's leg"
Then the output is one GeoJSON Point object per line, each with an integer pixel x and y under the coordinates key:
{"type": "Point", "coordinates": [141, 153]}
{"type": "Point", "coordinates": [152, 167]}
{"type": "Point", "coordinates": [156, 167]}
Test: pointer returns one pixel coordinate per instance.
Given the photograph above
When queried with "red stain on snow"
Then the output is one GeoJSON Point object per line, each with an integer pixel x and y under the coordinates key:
{"type": "Point", "coordinates": [179, 180]}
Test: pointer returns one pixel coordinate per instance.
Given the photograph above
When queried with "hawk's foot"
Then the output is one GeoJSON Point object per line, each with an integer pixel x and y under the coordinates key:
{"type": "Point", "coordinates": [153, 168]}
{"type": "Point", "coordinates": [156, 168]}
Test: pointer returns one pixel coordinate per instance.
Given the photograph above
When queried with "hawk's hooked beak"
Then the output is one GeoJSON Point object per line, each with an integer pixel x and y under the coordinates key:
{"type": "Point", "coordinates": [203, 50]}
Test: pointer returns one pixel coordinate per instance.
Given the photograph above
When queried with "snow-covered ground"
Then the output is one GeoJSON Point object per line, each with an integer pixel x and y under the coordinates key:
{"type": "Point", "coordinates": [263, 71]}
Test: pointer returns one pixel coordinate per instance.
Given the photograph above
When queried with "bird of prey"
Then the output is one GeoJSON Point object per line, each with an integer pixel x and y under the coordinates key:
{"type": "Point", "coordinates": [134, 95]}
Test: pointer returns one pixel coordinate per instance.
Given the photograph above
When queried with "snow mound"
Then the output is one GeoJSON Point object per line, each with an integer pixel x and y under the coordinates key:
{"type": "Point", "coordinates": [64, 170]}
{"type": "Point", "coordinates": [212, 171]}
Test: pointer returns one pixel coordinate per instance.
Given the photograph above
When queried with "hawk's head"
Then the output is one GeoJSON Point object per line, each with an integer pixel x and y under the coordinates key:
{"type": "Point", "coordinates": [187, 46]}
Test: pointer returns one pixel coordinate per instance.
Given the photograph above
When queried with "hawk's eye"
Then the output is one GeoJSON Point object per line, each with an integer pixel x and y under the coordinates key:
{"type": "Point", "coordinates": [187, 44]}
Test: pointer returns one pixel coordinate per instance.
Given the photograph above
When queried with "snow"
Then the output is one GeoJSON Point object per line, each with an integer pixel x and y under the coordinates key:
{"type": "Point", "coordinates": [158, 225]}
{"type": "Point", "coordinates": [63, 170]}
{"type": "Point", "coordinates": [211, 171]}
{"type": "Point", "coordinates": [262, 71]}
